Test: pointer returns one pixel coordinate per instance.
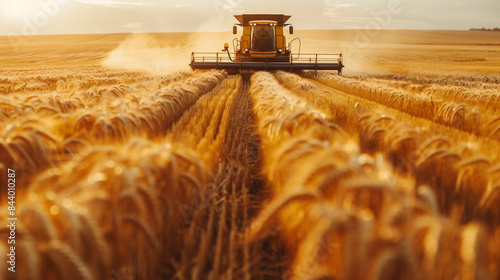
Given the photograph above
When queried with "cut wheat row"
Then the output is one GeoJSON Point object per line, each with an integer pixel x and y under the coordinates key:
{"type": "Point", "coordinates": [337, 214]}
{"type": "Point", "coordinates": [458, 116]}
{"type": "Point", "coordinates": [463, 179]}
{"type": "Point", "coordinates": [80, 213]}
{"type": "Point", "coordinates": [31, 144]}
{"type": "Point", "coordinates": [476, 94]}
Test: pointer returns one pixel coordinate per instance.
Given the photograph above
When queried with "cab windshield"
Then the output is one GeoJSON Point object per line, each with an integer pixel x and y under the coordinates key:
{"type": "Point", "coordinates": [263, 38]}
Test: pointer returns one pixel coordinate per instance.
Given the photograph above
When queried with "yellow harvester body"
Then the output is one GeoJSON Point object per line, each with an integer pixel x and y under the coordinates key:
{"type": "Point", "coordinates": [263, 46]}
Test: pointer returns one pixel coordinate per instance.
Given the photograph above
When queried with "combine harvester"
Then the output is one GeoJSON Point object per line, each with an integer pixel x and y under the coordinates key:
{"type": "Point", "coordinates": [263, 47]}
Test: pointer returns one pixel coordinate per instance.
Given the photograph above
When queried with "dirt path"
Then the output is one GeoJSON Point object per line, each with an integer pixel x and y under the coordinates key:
{"type": "Point", "coordinates": [243, 193]}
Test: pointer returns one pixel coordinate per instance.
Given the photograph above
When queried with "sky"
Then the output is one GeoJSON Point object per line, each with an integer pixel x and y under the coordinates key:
{"type": "Point", "coordinates": [36, 17]}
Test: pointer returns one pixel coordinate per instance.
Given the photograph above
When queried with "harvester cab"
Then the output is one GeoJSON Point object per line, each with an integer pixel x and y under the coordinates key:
{"type": "Point", "coordinates": [262, 46]}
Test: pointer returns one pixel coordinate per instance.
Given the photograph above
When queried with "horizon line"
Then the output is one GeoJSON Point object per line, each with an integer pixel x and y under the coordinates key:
{"type": "Point", "coordinates": [229, 31]}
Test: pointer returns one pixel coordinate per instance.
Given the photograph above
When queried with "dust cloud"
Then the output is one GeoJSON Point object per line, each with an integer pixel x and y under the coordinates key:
{"type": "Point", "coordinates": [166, 52]}
{"type": "Point", "coordinates": [162, 52]}
{"type": "Point", "coordinates": [357, 65]}
{"type": "Point", "coordinates": [143, 52]}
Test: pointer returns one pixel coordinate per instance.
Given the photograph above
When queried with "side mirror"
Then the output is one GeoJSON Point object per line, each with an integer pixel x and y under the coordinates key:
{"type": "Point", "coordinates": [235, 30]}
{"type": "Point", "coordinates": [290, 29]}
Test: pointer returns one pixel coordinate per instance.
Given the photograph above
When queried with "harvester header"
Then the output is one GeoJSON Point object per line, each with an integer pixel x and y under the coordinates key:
{"type": "Point", "coordinates": [263, 46]}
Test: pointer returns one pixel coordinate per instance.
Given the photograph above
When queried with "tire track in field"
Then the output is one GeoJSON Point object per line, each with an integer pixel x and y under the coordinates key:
{"type": "Point", "coordinates": [220, 217]}
{"type": "Point", "coordinates": [242, 194]}
{"type": "Point", "coordinates": [202, 129]}
{"type": "Point", "coordinates": [231, 258]}
{"type": "Point", "coordinates": [236, 172]}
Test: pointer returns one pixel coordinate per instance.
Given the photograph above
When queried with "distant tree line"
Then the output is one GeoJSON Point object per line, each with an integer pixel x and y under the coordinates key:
{"type": "Point", "coordinates": [485, 29]}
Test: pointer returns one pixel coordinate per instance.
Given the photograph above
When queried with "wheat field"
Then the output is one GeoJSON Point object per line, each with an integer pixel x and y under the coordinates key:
{"type": "Point", "coordinates": [130, 166]}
